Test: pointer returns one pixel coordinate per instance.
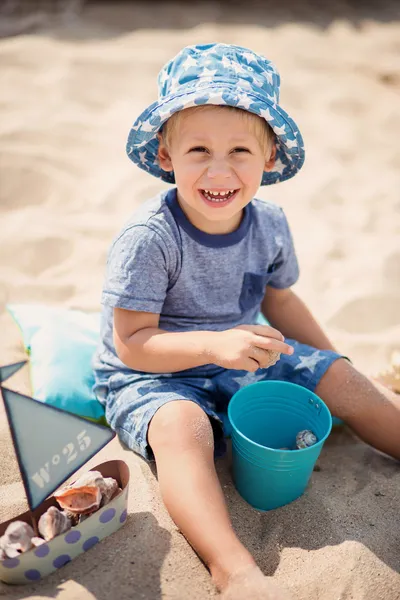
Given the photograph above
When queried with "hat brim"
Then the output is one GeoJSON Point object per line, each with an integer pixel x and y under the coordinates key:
{"type": "Point", "coordinates": [142, 144]}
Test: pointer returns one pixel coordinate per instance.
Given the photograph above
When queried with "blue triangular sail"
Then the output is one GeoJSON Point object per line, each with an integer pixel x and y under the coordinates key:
{"type": "Point", "coordinates": [50, 444]}
{"type": "Point", "coordinates": [9, 370]}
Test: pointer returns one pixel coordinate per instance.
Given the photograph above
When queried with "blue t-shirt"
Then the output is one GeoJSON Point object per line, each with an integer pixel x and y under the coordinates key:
{"type": "Point", "coordinates": [163, 264]}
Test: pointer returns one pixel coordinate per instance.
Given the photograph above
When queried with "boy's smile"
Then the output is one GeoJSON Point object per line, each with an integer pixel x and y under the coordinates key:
{"type": "Point", "coordinates": [218, 198]}
{"type": "Point", "coordinates": [218, 162]}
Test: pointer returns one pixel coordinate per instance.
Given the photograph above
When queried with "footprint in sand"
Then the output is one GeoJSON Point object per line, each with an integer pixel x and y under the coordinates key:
{"type": "Point", "coordinates": [368, 315]}
{"type": "Point", "coordinates": [35, 256]}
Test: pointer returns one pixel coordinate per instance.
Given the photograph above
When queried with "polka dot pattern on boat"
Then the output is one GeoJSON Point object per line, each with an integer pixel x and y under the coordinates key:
{"type": "Point", "coordinates": [72, 537]}
{"type": "Point", "coordinates": [32, 575]}
{"type": "Point", "coordinates": [42, 550]}
{"type": "Point", "coordinates": [123, 516]}
{"type": "Point", "coordinates": [10, 563]}
{"type": "Point", "coordinates": [61, 560]}
{"type": "Point", "coordinates": [107, 515]}
{"type": "Point", "coordinates": [90, 543]}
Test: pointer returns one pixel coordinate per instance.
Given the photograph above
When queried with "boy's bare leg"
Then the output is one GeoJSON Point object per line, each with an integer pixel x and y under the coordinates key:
{"type": "Point", "coordinates": [181, 437]}
{"type": "Point", "coordinates": [370, 409]}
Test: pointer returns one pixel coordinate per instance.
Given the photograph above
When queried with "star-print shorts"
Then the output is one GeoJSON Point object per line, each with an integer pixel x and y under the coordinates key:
{"type": "Point", "coordinates": [133, 399]}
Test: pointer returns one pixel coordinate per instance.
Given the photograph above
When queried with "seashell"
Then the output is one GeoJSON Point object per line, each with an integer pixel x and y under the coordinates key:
{"type": "Point", "coordinates": [87, 494]}
{"type": "Point", "coordinates": [79, 500]}
{"type": "Point", "coordinates": [12, 551]}
{"type": "Point", "coordinates": [109, 488]}
{"type": "Point", "coordinates": [52, 523]}
{"type": "Point", "coordinates": [88, 479]}
{"type": "Point", "coordinates": [108, 485]}
{"type": "Point", "coordinates": [273, 358]}
{"type": "Point", "coordinates": [73, 517]}
{"type": "Point", "coordinates": [37, 541]}
{"type": "Point", "coordinates": [17, 539]}
{"type": "Point", "coordinates": [83, 518]}
{"type": "Point", "coordinates": [305, 439]}
{"type": "Point", "coordinates": [83, 496]}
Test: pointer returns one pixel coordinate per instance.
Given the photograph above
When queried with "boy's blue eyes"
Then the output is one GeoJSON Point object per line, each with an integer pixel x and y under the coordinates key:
{"type": "Point", "coordinates": [203, 149]}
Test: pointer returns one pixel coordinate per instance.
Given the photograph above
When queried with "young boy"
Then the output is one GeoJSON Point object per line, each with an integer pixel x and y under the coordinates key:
{"type": "Point", "coordinates": [186, 281]}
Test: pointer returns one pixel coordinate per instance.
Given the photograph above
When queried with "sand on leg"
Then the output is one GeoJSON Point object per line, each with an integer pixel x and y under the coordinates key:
{"type": "Point", "coordinates": [370, 409]}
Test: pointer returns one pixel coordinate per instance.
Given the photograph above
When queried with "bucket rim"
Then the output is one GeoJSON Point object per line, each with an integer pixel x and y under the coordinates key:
{"type": "Point", "coordinates": [286, 384]}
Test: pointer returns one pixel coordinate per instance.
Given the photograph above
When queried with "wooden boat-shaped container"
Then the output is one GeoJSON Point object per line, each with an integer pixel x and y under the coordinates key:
{"type": "Point", "coordinates": [42, 477]}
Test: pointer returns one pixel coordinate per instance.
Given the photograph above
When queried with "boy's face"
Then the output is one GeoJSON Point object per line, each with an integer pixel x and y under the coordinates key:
{"type": "Point", "coordinates": [215, 151]}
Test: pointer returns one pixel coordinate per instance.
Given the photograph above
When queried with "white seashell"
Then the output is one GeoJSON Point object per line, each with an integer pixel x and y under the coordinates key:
{"type": "Point", "coordinates": [305, 439]}
{"type": "Point", "coordinates": [38, 541]}
{"type": "Point", "coordinates": [17, 539]}
{"type": "Point", "coordinates": [52, 523]}
{"type": "Point", "coordinates": [109, 488]}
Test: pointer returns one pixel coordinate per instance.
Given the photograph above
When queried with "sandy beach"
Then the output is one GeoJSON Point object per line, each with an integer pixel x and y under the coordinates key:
{"type": "Point", "coordinates": [72, 81]}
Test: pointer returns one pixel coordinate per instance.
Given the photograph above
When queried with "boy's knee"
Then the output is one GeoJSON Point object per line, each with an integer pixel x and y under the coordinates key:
{"type": "Point", "coordinates": [180, 424]}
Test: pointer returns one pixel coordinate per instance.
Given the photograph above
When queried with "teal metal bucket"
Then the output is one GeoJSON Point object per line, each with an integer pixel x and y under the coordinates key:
{"type": "Point", "coordinates": [266, 417]}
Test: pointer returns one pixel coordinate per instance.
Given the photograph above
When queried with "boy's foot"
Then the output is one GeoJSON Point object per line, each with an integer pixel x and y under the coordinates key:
{"type": "Point", "coordinates": [251, 584]}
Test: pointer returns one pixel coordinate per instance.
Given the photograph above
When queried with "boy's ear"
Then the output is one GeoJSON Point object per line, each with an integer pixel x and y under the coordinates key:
{"type": "Point", "coordinates": [163, 155]}
{"type": "Point", "coordinates": [269, 164]}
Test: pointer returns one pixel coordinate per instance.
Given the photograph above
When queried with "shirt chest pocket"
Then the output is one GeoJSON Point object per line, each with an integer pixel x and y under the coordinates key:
{"type": "Point", "coordinates": [253, 290]}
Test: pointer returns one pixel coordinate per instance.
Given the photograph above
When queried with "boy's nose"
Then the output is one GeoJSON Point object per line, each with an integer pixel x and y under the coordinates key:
{"type": "Point", "coordinates": [219, 169]}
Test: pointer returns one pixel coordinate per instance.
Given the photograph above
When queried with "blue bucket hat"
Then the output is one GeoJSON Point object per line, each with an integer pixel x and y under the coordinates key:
{"type": "Point", "coordinates": [223, 75]}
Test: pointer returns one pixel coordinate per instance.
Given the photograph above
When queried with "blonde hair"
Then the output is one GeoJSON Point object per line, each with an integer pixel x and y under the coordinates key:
{"type": "Point", "coordinates": [257, 125]}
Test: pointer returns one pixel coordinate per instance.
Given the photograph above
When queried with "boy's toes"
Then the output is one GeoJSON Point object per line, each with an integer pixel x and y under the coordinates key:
{"type": "Point", "coordinates": [251, 584]}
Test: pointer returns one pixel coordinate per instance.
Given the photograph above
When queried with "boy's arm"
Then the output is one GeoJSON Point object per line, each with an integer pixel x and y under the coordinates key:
{"type": "Point", "coordinates": [287, 313]}
{"type": "Point", "coordinates": [142, 346]}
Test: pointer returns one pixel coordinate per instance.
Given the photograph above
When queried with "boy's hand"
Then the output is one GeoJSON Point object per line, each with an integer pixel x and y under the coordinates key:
{"type": "Point", "coordinates": [246, 347]}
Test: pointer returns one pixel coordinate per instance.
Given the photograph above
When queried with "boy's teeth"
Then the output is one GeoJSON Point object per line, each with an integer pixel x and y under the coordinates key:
{"type": "Point", "coordinates": [218, 196]}
{"type": "Point", "coordinates": [221, 193]}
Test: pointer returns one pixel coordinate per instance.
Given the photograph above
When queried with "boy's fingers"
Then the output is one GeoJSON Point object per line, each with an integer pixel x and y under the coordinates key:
{"type": "Point", "coordinates": [273, 344]}
{"type": "Point", "coordinates": [252, 365]}
{"type": "Point", "coordinates": [262, 356]}
{"type": "Point", "coordinates": [267, 331]}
